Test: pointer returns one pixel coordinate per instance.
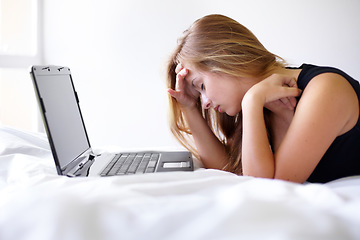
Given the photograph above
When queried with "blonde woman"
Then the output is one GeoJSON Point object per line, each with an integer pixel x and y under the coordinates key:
{"type": "Point", "coordinates": [239, 108]}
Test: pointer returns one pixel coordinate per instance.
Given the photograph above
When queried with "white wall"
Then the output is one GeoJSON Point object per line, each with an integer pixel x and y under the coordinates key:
{"type": "Point", "coordinates": [117, 51]}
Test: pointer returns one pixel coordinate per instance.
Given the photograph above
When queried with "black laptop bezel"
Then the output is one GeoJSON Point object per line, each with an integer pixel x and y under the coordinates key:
{"type": "Point", "coordinates": [36, 71]}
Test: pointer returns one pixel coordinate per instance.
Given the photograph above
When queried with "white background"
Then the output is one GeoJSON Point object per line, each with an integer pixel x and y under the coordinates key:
{"type": "Point", "coordinates": [117, 51]}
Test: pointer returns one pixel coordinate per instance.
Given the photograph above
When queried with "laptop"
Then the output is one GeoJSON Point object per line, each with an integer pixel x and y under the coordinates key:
{"type": "Point", "coordinates": [59, 106]}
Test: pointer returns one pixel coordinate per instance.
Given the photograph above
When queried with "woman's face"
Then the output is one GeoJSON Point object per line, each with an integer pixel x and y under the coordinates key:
{"type": "Point", "coordinates": [222, 92]}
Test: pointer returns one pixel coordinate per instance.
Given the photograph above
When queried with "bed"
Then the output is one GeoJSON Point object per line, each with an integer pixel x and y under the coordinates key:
{"type": "Point", "coordinates": [36, 203]}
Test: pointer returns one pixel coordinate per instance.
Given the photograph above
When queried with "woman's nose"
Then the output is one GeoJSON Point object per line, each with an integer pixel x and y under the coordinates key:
{"type": "Point", "coordinates": [206, 103]}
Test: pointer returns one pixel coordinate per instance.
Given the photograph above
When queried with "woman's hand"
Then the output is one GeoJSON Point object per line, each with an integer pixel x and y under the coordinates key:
{"type": "Point", "coordinates": [273, 92]}
{"type": "Point", "coordinates": [276, 93]}
{"type": "Point", "coordinates": [184, 93]}
{"type": "Point", "coordinates": [211, 152]}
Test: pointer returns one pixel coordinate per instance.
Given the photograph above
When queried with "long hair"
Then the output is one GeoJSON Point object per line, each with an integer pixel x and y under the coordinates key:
{"type": "Point", "coordinates": [219, 44]}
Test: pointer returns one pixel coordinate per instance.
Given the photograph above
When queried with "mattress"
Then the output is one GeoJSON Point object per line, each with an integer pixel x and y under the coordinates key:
{"type": "Point", "coordinates": [36, 203]}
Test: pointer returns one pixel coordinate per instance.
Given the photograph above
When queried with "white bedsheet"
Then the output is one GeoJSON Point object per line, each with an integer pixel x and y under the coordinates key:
{"type": "Point", "coordinates": [36, 203]}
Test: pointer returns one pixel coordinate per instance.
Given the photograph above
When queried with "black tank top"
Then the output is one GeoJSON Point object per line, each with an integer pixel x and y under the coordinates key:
{"type": "Point", "coordinates": [342, 159]}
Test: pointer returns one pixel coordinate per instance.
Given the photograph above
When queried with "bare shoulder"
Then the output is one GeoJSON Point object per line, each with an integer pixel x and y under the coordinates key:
{"type": "Point", "coordinates": [327, 108]}
{"type": "Point", "coordinates": [335, 96]}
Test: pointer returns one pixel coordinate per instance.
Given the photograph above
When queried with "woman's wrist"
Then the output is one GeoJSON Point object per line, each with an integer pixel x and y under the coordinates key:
{"type": "Point", "coordinates": [252, 100]}
{"type": "Point", "coordinates": [188, 109]}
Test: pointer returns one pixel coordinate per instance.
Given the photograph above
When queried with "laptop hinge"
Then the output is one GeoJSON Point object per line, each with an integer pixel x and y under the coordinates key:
{"type": "Point", "coordinates": [82, 168]}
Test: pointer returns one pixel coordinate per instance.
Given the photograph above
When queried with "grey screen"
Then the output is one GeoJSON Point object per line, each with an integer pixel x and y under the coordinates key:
{"type": "Point", "coordinates": [63, 116]}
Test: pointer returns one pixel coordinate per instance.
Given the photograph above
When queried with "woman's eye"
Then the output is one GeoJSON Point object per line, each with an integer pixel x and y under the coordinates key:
{"type": "Point", "coordinates": [202, 87]}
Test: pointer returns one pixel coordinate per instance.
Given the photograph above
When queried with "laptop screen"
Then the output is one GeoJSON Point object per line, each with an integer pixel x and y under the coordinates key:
{"type": "Point", "coordinates": [61, 112]}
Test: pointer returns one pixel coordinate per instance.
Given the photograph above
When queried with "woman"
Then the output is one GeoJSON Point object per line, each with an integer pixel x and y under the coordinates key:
{"type": "Point", "coordinates": [237, 107]}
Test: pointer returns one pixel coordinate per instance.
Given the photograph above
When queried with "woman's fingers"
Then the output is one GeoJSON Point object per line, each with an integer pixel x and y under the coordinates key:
{"type": "Point", "coordinates": [289, 102]}
{"type": "Point", "coordinates": [182, 92]}
{"type": "Point", "coordinates": [178, 68]}
{"type": "Point", "coordinates": [173, 93]}
{"type": "Point", "coordinates": [279, 89]}
{"type": "Point", "coordinates": [293, 102]}
{"type": "Point", "coordinates": [285, 101]}
{"type": "Point", "coordinates": [291, 82]}
{"type": "Point", "coordinates": [180, 83]}
{"type": "Point", "coordinates": [293, 88]}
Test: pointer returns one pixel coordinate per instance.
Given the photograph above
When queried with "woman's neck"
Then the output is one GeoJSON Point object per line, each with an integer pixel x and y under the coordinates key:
{"type": "Point", "coordinates": [290, 72]}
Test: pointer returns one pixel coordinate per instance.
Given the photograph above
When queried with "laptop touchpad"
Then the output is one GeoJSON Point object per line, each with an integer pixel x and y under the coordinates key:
{"type": "Point", "coordinates": [176, 165]}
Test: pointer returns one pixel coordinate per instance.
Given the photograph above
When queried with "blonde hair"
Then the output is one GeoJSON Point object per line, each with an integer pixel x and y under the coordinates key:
{"type": "Point", "coordinates": [219, 44]}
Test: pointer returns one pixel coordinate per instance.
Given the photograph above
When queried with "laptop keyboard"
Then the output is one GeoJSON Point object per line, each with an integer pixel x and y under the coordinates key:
{"type": "Point", "coordinates": [131, 163]}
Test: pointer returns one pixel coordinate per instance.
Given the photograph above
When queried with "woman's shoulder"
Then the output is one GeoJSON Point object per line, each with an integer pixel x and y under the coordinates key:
{"type": "Point", "coordinates": [334, 92]}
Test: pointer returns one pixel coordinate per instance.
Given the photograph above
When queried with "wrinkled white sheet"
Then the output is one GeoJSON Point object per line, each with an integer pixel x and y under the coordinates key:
{"type": "Point", "coordinates": [36, 203]}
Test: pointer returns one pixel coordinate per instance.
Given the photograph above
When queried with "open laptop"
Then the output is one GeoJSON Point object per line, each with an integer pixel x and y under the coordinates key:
{"type": "Point", "coordinates": [59, 105]}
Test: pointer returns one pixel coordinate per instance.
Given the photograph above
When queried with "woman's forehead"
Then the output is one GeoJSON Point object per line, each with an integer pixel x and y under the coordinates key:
{"type": "Point", "coordinates": [193, 71]}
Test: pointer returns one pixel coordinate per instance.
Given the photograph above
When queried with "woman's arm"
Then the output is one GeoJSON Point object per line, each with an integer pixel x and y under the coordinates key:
{"type": "Point", "coordinates": [328, 108]}
{"type": "Point", "coordinates": [211, 151]}
{"type": "Point", "coordinates": [257, 156]}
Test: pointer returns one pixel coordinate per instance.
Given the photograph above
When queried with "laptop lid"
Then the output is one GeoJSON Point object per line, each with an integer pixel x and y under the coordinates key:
{"type": "Point", "coordinates": [59, 105]}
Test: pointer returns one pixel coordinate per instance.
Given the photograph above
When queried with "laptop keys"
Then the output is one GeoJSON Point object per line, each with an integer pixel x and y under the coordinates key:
{"type": "Point", "coordinates": [132, 163]}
